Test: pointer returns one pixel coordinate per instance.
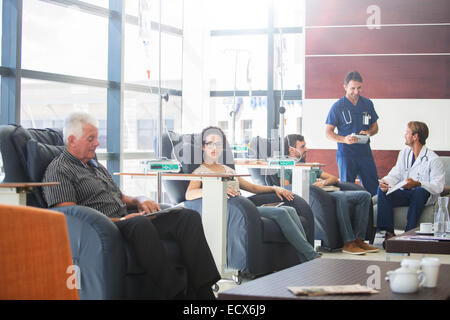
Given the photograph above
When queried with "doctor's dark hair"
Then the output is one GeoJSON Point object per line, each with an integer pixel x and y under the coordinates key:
{"type": "Point", "coordinates": [421, 129]}
{"type": "Point", "coordinates": [353, 75]}
{"type": "Point", "coordinates": [291, 141]}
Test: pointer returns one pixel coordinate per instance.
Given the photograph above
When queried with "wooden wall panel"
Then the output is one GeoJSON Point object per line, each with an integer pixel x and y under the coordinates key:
{"type": "Point", "coordinates": [391, 59]}
{"type": "Point", "coordinates": [385, 77]}
{"type": "Point", "coordinates": [386, 40]}
{"type": "Point", "coordinates": [354, 12]}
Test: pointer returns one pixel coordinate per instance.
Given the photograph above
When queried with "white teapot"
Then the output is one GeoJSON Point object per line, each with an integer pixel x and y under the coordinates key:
{"type": "Point", "coordinates": [405, 280]}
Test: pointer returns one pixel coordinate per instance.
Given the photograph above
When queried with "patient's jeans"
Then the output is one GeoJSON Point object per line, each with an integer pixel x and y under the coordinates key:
{"type": "Point", "coordinates": [291, 226]}
{"type": "Point", "coordinates": [355, 226]}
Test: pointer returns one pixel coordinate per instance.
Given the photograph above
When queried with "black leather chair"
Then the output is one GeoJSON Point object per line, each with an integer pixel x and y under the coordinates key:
{"type": "Point", "coordinates": [255, 245]}
{"type": "Point", "coordinates": [108, 267]}
{"type": "Point", "coordinates": [323, 206]}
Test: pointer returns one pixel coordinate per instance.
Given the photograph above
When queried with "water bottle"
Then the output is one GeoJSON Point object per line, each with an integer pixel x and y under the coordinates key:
{"type": "Point", "coordinates": [2, 170]}
{"type": "Point", "coordinates": [441, 218]}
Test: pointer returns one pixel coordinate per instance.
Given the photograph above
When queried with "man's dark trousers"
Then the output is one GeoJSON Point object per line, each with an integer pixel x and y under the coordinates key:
{"type": "Point", "coordinates": [414, 198]}
{"type": "Point", "coordinates": [186, 228]}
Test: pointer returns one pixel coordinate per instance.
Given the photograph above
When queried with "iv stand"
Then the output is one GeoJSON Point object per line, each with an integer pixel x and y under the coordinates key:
{"type": "Point", "coordinates": [160, 112]}
{"type": "Point", "coordinates": [282, 110]}
{"type": "Point", "coordinates": [233, 112]}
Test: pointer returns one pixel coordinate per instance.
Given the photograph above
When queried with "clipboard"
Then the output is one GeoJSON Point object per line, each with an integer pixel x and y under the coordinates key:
{"type": "Point", "coordinates": [363, 139]}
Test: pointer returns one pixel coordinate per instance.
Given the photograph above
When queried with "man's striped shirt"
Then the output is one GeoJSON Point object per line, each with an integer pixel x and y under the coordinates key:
{"type": "Point", "coordinates": [89, 185]}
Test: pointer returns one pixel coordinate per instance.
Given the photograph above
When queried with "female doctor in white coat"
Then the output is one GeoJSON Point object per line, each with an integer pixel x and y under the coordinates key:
{"type": "Point", "coordinates": [423, 175]}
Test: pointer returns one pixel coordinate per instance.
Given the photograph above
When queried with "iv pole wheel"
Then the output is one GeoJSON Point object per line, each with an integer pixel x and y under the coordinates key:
{"type": "Point", "coordinates": [237, 279]}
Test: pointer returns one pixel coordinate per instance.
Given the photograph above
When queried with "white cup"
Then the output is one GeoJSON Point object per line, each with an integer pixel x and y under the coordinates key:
{"type": "Point", "coordinates": [430, 266]}
{"type": "Point", "coordinates": [426, 227]}
{"type": "Point", "coordinates": [411, 263]}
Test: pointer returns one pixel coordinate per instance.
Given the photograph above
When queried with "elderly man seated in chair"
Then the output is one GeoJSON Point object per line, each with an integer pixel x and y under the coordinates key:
{"type": "Point", "coordinates": [420, 174]}
{"type": "Point", "coordinates": [84, 181]}
{"type": "Point", "coordinates": [352, 236]}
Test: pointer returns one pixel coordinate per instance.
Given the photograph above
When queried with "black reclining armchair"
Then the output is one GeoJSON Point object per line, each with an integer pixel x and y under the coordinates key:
{"type": "Point", "coordinates": [108, 267]}
{"type": "Point", "coordinates": [323, 206]}
{"type": "Point", "coordinates": [255, 245]}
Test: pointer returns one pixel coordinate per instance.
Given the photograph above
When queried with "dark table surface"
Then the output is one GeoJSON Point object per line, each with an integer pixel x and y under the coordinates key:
{"type": "Point", "coordinates": [323, 271]}
{"type": "Point", "coordinates": [396, 245]}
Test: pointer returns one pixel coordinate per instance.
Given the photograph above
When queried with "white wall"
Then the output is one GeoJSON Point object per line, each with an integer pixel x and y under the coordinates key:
{"type": "Point", "coordinates": [393, 114]}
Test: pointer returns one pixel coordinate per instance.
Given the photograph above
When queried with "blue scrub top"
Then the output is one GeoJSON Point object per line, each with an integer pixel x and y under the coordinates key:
{"type": "Point", "coordinates": [348, 119]}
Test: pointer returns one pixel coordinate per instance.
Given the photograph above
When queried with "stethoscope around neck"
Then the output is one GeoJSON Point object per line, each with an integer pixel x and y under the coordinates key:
{"type": "Point", "coordinates": [349, 115]}
{"type": "Point", "coordinates": [407, 167]}
{"type": "Point", "coordinates": [349, 120]}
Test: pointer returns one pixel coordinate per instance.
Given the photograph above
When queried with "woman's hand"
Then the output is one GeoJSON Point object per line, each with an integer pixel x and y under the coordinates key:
{"type": "Point", "coordinates": [319, 183]}
{"type": "Point", "coordinates": [232, 193]}
{"type": "Point", "coordinates": [281, 192]}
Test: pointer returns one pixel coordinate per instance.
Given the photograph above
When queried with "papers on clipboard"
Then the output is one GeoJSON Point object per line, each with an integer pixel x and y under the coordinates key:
{"type": "Point", "coordinates": [396, 187]}
{"type": "Point", "coordinates": [363, 139]}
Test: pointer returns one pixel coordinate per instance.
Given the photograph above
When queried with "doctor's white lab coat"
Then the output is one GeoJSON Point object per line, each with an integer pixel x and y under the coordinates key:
{"type": "Point", "coordinates": [427, 169]}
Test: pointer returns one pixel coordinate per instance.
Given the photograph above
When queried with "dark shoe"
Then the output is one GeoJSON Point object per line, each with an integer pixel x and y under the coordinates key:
{"type": "Point", "coordinates": [205, 293]}
{"type": "Point", "coordinates": [387, 236]}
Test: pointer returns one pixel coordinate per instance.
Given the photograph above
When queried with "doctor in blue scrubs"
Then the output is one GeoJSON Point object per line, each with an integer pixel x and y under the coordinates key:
{"type": "Point", "coordinates": [354, 115]}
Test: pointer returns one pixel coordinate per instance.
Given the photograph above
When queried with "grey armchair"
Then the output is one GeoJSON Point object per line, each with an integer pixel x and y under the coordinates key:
{"type": "Point", "coordinates": [322, 205]}
{"type": "Point", "coordinates": [401, 213]}
{"type": "Point", "coordinates": [108, 268]}
{"type": "Point", "coordinates": [255, 245]}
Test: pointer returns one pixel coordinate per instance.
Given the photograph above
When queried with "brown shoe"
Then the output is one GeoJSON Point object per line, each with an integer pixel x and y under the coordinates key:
{"type": "Point", "coordinates": [353, 248]}
{"type": "Point", "coordinates": [365, 246]}
{"type": "Point", "coordinates": [387, 236]}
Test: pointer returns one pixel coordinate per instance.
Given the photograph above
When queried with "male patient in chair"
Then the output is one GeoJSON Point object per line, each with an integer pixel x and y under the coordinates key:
{"type": "Point", "coordinates": [84, 181]}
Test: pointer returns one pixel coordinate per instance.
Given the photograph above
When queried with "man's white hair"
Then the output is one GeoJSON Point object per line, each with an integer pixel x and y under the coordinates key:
{"type": "Point", "coordinates": [74, 124]}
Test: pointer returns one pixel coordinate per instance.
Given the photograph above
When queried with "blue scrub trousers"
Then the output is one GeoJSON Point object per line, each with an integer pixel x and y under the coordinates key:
{"type": "Point", "coordinates": [364, 167]}
{"type": "Point", "coordinates": [414, 198]}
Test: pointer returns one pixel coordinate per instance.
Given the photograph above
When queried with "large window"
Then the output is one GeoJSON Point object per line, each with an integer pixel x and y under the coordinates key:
{"type": "Point", "coordinates": [237, 14]}
{"type": "Point", "coordinates": [142, 59]}
{"type": "Point", "coordinates": [239, 62]}
{"type": "Point", "coordinates": [50, 109]}
{"type": "Point", "coordinates": [71, 59]}
{"type": "Point", "coordinates": [256, 66]}
{"type": "Point", "coordinates": [140, 120]}
{"type": "Point", "coordinates": [64, 40]}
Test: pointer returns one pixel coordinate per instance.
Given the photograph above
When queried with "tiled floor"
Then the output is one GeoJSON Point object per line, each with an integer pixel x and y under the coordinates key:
{"type": "Point", "coordinates": [379, 256]}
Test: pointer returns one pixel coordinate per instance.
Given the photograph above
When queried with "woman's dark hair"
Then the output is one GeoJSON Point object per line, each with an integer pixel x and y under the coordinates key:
{"type": "Point", "coordinates": [217, 131]}
{"type": "Point", "coordinates": [213, 130]}
{"type": "Point", "coordinates": [353, 75]}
